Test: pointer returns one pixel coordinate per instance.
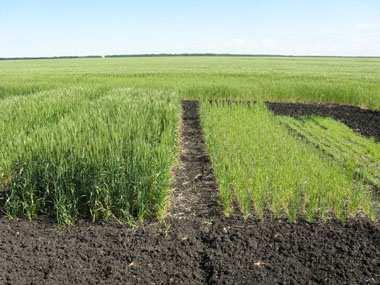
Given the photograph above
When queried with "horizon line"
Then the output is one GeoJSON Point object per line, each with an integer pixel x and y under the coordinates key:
{"type": "Point", "coordinates": [179, 55]}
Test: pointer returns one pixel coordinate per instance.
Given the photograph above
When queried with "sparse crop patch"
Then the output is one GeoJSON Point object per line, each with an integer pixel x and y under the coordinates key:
{"type": "Point", "coordinates": [361, 155]}
{"type": "Point", "coordinates": [262, 167]}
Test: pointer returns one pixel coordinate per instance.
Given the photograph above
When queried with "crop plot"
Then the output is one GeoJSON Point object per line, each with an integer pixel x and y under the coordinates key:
{"type": "Point", "coordinates": [262, 167]}
{"type": "Point", "coordinates": [84, 154]}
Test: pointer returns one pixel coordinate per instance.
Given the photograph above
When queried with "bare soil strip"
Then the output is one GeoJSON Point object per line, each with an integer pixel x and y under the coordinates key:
{"type": "Point", "coordinates": [196, 244]}
{"type": "Point", "coordinates": [195, 190]}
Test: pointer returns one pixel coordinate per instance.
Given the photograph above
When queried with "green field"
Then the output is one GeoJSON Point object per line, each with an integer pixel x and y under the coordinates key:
{"type": "Point", "coordinates": [97, 138]}
{"type": "Point", "coordinates": [354, 81]}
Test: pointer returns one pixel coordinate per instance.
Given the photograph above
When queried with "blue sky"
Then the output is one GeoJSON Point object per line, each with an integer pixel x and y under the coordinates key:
{"type": "Point", "coordinates": [83, 27]}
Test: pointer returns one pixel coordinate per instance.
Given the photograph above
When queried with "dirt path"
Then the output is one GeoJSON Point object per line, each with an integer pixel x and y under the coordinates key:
{"type": "Point", "coordinates": [195, 245]}
{"type": "Point", "coordinates": [195, 191]}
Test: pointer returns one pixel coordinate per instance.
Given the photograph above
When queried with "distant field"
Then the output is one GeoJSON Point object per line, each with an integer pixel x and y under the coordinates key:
{"type": "Point", "coordinates": [98, 138]}
{"type": "Point", "coordinates": [353, 81]}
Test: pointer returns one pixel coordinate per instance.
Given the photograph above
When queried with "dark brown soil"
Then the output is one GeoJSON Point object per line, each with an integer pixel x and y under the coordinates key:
{"type": "Point", "coordinates": [195, 245]}
{"type": "Point", "coordinates": [195, 190]}
{"type": "Point", "coordinates": [365, 122]}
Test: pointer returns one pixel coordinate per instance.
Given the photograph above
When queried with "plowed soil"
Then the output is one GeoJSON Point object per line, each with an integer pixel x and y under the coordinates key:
{"type": "Point", "coordinates": [195, 245]}
{"type": "Point", "coordinates": [366, 122]}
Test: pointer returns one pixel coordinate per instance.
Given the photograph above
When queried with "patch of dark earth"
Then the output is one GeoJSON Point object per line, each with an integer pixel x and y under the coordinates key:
{"type": "Point", "coordinates": [195, 245]}
{"type": "Point", "coordinates": [364, 121]}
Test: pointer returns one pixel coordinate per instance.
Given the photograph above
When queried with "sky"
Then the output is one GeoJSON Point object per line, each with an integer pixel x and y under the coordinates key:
{"type": "Point", "coordinates": [30, 28]}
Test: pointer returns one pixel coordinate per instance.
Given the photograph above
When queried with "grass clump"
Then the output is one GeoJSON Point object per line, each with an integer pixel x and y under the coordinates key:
{"type": "Point", "coordinates": [108, 157]}
{"type": "Point", "coordinates": [263, 168]}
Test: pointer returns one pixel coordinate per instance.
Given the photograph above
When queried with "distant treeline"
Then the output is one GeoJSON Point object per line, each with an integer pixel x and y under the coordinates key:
{"type": "Point", "coordinates": [49, 57]}
{"type": "Point", "coordinates": [177, 55]}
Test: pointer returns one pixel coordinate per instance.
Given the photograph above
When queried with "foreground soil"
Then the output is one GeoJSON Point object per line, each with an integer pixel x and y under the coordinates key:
{"type": "Point", "coordinates": [195, 245]}
{"type": "Point", "coordinates": [191, 251]}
